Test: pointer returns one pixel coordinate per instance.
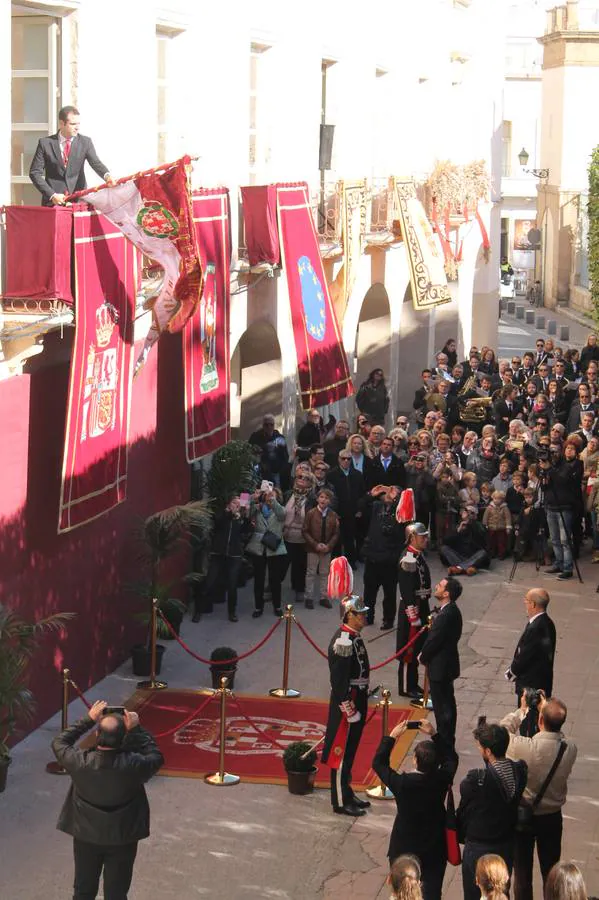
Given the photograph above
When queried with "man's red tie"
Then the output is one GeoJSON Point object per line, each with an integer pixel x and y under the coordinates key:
{"type": "Point", "coordinates": [67, 151]}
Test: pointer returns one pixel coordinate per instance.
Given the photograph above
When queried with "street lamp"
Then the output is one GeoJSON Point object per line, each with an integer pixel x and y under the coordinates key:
{"type": "Point", "coordinates": [523, 158]}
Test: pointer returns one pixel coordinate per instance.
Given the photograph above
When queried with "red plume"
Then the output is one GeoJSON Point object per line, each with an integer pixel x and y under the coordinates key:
{"type": "Point", "coordinates": [405, 511]}
{"type": "Point", "coordinates": [341, 579]}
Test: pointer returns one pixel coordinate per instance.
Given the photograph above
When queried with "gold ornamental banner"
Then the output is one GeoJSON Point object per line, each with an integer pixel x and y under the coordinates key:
{"type": "Point", "coordinates": [427, 272]}
{"type": "Point", "coordinates": [353, 227]}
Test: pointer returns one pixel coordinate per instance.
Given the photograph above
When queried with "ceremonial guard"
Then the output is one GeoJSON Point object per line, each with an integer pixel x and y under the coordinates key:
{"type": "Point", "coordinates": [349, 669]}
{"type": "Point", "coordinates": [414, 581]}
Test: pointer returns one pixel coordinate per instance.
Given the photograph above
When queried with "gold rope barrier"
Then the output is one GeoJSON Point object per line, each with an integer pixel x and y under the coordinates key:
{"type": "Point", "coordinates": [285, 690]}
{"type": "Point", "coordinates": [54, 767]}
{"type": "Point", "coordinates": [153, 684]}
{"type": "Point", "coordinates": [381, 792]}
{"type": "Point", "coordinates": [222, 778]}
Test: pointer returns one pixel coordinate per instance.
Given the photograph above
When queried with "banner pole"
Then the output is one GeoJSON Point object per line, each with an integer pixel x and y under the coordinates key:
{"type": "Point", "coordinates": [381, 792]}
{"type": "Point", "coordinates": [153, 684]}
{"type": "Point", "coordinates": [54, 767]}
{"type": "Point", "coordinates": [285, 690]}
{"type": "Point", "coordinates": [222, 778]}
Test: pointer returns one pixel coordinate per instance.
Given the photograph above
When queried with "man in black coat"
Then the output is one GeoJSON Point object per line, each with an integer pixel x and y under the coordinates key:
{"type": "Point", "coordinates": [440, 655]}
{"type": "Point", "coordinates": [348, 485]}
{"type": "Point", "coordinates": [506, 408]}
{"type": "Point", "coordinates": [58, 165]}
{"type": "Point", "coordinates": [381, 553]}
{"type": "Point", "coordinates": [106, 809]}
{"type": "Point", "coordinates": [419, 826]}
{"type": "Point", "coordinates": [349, 670]}
{"type": "Point", "coordinates": [532, 665]}
{"type": "Point", "coordinates": [582, 404]}
{"type": "Point", "coordinates": [386, 468]}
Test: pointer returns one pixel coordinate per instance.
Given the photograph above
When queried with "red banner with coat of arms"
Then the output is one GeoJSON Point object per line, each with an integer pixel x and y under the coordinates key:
{"type": "Point", "coordinates": [321, 361]}
{"type": "Point", "coordinates": [206, 335]}
{"type": "Point", "coordinates": [94, 474]}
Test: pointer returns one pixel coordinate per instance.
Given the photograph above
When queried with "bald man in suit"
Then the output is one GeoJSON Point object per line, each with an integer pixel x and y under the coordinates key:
{"type": "Point", "coordinates": [532, 665]}
{"type": "Point", "coordinates": [58, 166]}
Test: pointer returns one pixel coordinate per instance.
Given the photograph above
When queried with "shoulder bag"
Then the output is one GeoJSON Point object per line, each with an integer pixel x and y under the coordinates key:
{"type": "Point", "coordinates": [454, 854]}
{"type": "Point", "coordinates": [526, 812]}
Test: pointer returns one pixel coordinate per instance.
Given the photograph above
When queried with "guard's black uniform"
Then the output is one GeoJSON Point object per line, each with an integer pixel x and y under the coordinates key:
{"type": "Point", "coordinates": [414, 582]}
{"type": "Point", "coordinates": [349, 670]}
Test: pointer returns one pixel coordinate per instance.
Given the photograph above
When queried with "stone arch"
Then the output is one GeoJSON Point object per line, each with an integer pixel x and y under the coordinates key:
{"type": "Point", "coordinates": [256, 372]}
{"type": "Point", "coordinates": [413, 351]}
{"type": "Point", "coordinates": [373, 334]}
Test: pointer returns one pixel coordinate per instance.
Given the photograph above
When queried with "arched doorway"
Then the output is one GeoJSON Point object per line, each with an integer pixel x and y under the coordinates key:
{"type": "Point", "coordinates": [373, 336]}
{"type": "Point", "coordinates": [413, 351]}
{"type": "Point", "coordinates": [256, 373]}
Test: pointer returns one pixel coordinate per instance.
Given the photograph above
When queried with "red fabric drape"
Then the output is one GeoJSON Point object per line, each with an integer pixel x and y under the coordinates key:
{"type": "Point", "coordinates": [206, 335]}
{"type": "Point", "coordinates": [94, 475]}
{"type": "Point", "coordinates": [38, 252]}
{"type": "Point", "coordinates": [321, 361]}
{"type": "Point", "coordinates": [260, 220]}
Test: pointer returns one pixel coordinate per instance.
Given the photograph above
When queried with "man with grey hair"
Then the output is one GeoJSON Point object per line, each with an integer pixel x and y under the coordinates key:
{"type": "Point", "coordinates": [274, 459]}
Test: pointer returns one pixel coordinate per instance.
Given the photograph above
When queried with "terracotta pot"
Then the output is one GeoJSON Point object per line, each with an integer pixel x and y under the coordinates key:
{"type": "Point", "coordinates": [301, 782]}
{"type": "Point", "coordinates": [141, 658]}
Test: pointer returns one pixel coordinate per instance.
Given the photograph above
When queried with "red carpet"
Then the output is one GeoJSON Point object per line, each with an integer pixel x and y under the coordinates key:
{"type": "Point", "coordinates": [192, 750]}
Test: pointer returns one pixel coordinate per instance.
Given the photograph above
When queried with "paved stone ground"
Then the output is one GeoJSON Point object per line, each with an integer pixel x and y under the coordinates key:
{"type": "Point", "coordinates": [259, 841]}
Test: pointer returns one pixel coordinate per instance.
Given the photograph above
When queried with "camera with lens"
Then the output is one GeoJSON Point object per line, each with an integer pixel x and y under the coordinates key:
{"type": "Point", "coordinates": [532, 697]}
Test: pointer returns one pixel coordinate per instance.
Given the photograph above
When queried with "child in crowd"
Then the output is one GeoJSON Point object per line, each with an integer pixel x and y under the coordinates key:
{"type": "Point", "coordinates": [469, 494]}
{"type": "Point", "coordinates": [527, 528]}
{"type": "Point", "coordinates": [448, 503]}
{"type": "Point", "coordinates": [498, 522]}
{"type": "Point", "coordinates": [321, 533]}
{"type": "Point", "coordinates": [503, 481]}
{"type": "Point", "coordinates": [514, 496]}
{"type": "Point", "coordinates": [485, 498]}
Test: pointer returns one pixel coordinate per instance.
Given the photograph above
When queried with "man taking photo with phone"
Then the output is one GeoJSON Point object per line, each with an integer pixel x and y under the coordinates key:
{"type": "Point", "coordinates": [106, 809]}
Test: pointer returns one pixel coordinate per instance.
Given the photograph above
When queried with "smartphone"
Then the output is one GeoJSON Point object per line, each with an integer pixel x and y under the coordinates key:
{"type": "Point", "coordinates": [266, 487]}
{"type": "Point", "coordinates": [114, 711]}
{"type": "Point", "coordinates": [414, 724]}
{"type": "Point", "coordinates": [244, 499]}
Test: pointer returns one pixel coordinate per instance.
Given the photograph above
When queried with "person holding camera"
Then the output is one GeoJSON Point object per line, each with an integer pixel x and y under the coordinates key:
{"type": "Point", "coordinates": [267, 546]}
{"type": "Point", "coordinates": [561, 480]}
{"type": "Point", "coordinates": [489, 800]}
{"type": "Point", "coordinates": [419, 826]}
{"type": "Point", "coordinates": [106, 810]}
{"type": "Point", "coordinates": [550, 760]}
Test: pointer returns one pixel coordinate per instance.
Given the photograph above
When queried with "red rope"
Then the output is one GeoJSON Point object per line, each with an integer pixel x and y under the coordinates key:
{"type": "Point", "coordinates": [220, 662]}
{"type": "Point", "coordinates": [309, 639]}
{"type": "Point", "coordinates": [78, 692]}
{"type": "Point", "coordinates": [401, 651]}
{"type": "Point", "coordinates": [260, 731]}
{"type": "Point", "coordinates": [186, 721]}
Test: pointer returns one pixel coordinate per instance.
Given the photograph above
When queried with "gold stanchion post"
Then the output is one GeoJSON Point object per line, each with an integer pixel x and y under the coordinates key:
{"type": "Point", "coordinates": [222, 778]}
{"type": "Point", "coordinates": [153, 684]}
{"type": "Point", "coordinates": [424, 702]}
{"type": "Point", "coordinates": [381, 792]}
{"type": "Point", "coordinates": [285, 690]}
{"type": "Point", "coordinates": [54, 767]}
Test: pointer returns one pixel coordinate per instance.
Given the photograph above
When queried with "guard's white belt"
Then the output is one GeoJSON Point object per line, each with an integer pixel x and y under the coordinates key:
{"type": "Point", "coordinates": [359, 682]}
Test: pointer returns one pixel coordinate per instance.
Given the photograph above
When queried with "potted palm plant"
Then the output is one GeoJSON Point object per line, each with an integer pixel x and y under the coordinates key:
{"type": "Point", "coordinates": [220, 665]}
{"type": "Point", "coordinates": [18, 642]}
{"type": "Point", "coordinates": [231, 472]}
{"type": "Point", "coordinates": [299, 760]}
{"type": "Point", "coordinates": [162, 535]}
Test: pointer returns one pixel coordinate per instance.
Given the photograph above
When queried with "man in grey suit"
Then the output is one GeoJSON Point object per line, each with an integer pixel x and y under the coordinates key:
{"type": "Point", "coordinates": [58, 166]}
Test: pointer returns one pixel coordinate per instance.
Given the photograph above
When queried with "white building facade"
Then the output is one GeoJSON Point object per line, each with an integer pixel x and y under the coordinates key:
{"type": "Point", "coordinates": [245, 87]}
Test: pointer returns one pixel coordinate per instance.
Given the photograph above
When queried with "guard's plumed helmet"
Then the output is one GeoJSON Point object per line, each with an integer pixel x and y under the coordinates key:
{"type": "Point", "coordinates": [416, 528]}
{"type": "Point", "coordinates": [355, 604]}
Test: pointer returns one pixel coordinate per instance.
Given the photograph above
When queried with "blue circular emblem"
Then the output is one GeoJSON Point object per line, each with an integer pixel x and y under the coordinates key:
{"type": "Point", "coordinates": [315, 314]}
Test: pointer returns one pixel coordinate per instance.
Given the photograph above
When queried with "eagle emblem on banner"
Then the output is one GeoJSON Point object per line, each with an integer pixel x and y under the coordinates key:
{"type": "Point", "coordinates": [315, 314]}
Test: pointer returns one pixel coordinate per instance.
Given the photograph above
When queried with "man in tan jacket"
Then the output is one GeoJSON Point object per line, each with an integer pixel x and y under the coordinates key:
{"type": "Point", "coordinates": [540, 752]}
{"type": "Point", "coordinates": [321, 533]}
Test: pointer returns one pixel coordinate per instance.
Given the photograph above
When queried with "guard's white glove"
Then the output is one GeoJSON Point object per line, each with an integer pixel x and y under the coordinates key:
{"type": "Point", "coordinates": [349, 710]}
{"type": "Point", "coordinates": [413, 615]}
{"type": "Point", "coordinates": [509, 675]}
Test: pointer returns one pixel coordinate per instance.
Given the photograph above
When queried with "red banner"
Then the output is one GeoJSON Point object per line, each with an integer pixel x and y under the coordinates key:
{"type": "Point", "coordinates": [321, 361]}
{"type": "Point", "coordinates": [44, 271]}
{"type": "Point", "coordinates": [260, 224]}
{"type": "Point", "coordinates": [94, 474]}
{"type": "Point", "coordinates": [206, 335]}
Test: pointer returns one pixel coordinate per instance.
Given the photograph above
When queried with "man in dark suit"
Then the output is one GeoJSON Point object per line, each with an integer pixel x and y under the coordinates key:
{"type": "Point", "coordinates": [106, 810]}
{"type": "Point", "coordinates": [386, 468]}
{"type": "Point", "coordinates": [541, 354]}
{"type": "Point", "coordinates": [419, 826]}
{"type": "Point", "coordinates": [506, 408]}
{"type": "Point", "coordinates": [582, 404]}
{"type": "Point", "coordinates": [532, 665]}
{"type": "Point", "coordinates": [541, 379]}
{"type": "Point", "coordinates": [440, 655]}
{"type": "Point", "coordinates": [349, 488]}
{"type": "Point", "coordinates": [58, 165]}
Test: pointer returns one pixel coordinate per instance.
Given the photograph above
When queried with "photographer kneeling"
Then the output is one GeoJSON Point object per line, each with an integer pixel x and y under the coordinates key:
{"type": "Point", "coordinates": [540, 814]}
{"type": "Point", "coordinates": [561, 480]}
